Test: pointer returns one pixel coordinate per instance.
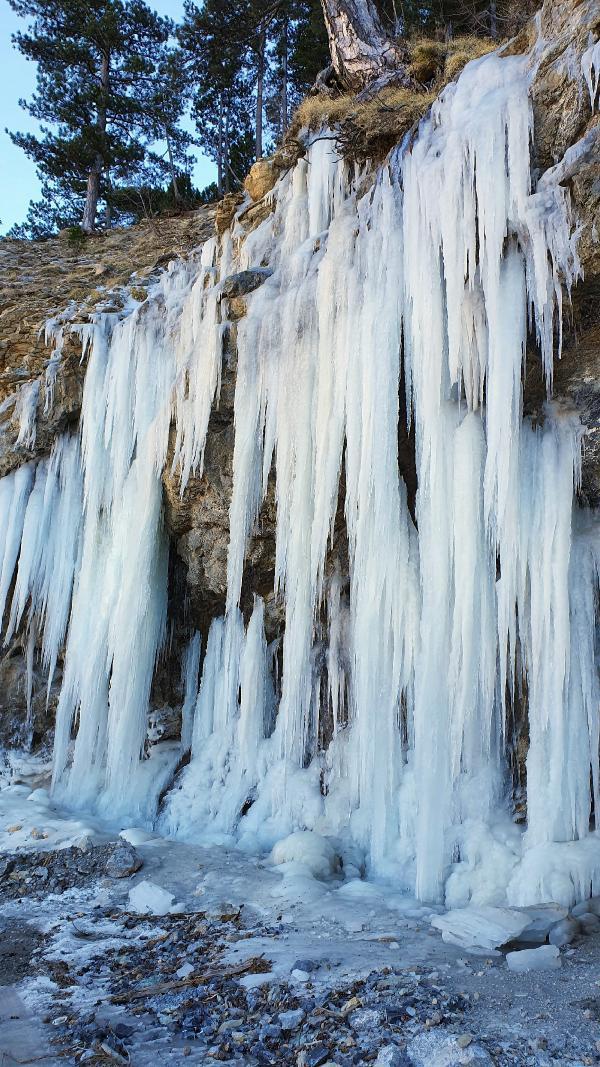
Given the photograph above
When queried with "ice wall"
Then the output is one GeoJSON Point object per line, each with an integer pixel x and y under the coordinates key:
{"type": "Point", "coordinates": [388, 717]}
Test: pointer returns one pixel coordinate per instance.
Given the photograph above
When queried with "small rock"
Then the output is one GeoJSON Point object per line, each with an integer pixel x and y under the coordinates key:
{"type": "Point", "coordinates": [391, 1056]}
{"type": "Point", "coordinates": [122, 861]}
{"type": "Point", "coordinates": [305, 965]}
{"type": "Point", "coordinates": [464, 1040]}
{"type": "Point", "coordinates": [436, 1049]}
{"type": "Point", "coordinates": [589, 923]}
{"type": "Point", "coordinates": [301, 976]}
{"type": "Point", "coordinates": [592, 905]}
{"type": "Point", "coordinates": [564, 932]}
{"type": "Point", "coordinates": [7, 864]}
{"type": "Point", "coordinates": [434, 1019]}
{"type": "Point", "coordinates": [122, 1030]}
{"type": "Point", "coordinates": [227, 1025]}
{"type": "Point", "coordinates": [38, 835]}
{"type": "Point", "coordinates": [350, 1005]}
{"type": "Point", "coordinates": [289, 1020]}
{"type": "Point", "coordinates": [365, 1019]}
{"type": "Point", "coordinates": [314, 1056]}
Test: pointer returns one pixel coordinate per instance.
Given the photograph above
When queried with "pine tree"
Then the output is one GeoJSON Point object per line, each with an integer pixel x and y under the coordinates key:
{"type": "Point", "coordinates": [94, 61]}
{"type": "Point", "coordinates": [213, 40]}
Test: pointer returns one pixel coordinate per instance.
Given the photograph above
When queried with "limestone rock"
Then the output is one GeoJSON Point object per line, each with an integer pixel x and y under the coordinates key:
{"type": "Point", "coordinates": [226, 209]}
{"type": "Point", "coordinates": [261, 179]}
{"type": "Point", "coordinates": [244, 282]}
{"type": "Point", "coordinates": [123, 860]}
{"type": "Point", "coordinates": [564, 932]}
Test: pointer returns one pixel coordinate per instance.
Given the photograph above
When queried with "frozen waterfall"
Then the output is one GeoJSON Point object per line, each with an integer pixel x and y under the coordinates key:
{"type": "Point", "coordinates": [416, 654]}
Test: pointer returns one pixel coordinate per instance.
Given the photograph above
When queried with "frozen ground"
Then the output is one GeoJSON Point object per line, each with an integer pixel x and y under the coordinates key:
{"type": "Point", "coordinates": [252, 966]}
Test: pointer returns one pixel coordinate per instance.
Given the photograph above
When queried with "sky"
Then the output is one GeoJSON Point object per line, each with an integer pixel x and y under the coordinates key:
{"type": "Point", "coordinates": [18, 181]}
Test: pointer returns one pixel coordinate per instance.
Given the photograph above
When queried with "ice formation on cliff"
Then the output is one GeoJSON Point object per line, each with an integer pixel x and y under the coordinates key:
{"type": "Point", "coordinates": [444, 266]}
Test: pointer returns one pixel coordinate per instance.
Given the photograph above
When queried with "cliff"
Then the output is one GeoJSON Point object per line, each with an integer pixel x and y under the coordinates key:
{"type": "Point", "coordinates": [549, 242]}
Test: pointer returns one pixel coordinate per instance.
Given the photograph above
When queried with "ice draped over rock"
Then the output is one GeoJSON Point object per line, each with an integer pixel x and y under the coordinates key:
{"type": "Point", "coordinates": [386, 718]}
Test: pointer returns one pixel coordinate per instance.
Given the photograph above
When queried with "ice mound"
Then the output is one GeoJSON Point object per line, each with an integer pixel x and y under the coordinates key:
{"type": "Point", "coordinates": [308, 850]}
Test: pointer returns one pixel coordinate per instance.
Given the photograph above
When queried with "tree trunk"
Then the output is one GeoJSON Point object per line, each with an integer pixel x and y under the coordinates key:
{"type": "Point", "coordinates": [284, 79]}
{"type": "Point", "coordinates": [226, 152]}
{"type": "Point", "coordinates": [92, 195]}
{"type": "Point", "coordinates": [260, 78]}
{"type": "Point", "coordinates": [220, 149]}
{"type": "Point", "coordinates": [172, 172]}
{"type": "Point", "coordinates": [493, 20]}
{"type": "Point", "coordinates": [361, 52]}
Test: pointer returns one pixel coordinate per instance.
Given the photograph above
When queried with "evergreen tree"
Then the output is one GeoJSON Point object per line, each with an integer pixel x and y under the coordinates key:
{"type": "Point", "coordinates": [95, 65]}
{"type": "Point", "coordinates": [213, 39]}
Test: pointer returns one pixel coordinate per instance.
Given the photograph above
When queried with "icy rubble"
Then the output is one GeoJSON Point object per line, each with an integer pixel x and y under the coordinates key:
{"type": "Point", "coordinates": [450, 260]}
{"type": "Point", "coordinates": [146, 898]}
{"type": "Point", "coordinates": [485, 927]}
{"type": "Point", "coordinates": [546, 957]}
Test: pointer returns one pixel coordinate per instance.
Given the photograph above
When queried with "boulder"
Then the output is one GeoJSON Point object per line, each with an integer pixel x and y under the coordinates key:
{"type": "Point", "coordinates": [544, 958]}
{"type": "Point", "coordinates": [261, 179]}
{"type": "Point", "coordinates": [245, 281]}
{"type": "Point", "coordinates": [485, 927]}
{"type": "Point", "coordinates": [122, 860]}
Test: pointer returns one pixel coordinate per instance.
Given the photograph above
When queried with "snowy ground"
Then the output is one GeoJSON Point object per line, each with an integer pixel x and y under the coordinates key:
{"type": "Point", "coordinates": [252, 966]}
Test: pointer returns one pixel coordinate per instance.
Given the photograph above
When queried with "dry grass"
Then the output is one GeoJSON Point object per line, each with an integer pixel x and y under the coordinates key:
{"type": "Point", "coordinates": [366, 129]}
{"type": "Point", "coordinates": [369, 128]}
{"type": "Point", "coordinates": [317, 111]}
{"type": "Point", "coordinates": [436, 63]}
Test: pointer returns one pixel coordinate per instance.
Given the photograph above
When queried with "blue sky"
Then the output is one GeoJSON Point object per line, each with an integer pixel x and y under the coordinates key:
{"type": "Point", "coordinates": [18, 180]}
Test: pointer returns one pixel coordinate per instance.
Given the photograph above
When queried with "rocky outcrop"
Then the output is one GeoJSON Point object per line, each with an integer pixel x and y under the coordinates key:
{"type": "Point", "coordinates": [41, 279]}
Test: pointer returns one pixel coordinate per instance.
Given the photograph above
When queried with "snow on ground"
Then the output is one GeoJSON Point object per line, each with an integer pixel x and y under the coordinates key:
{"type": "Point", "coordinates": [248, 942]}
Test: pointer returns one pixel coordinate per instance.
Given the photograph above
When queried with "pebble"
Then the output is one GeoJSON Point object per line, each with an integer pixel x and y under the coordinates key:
{"type": "Point", "coordinates": [314, 1056]}
{"type": "Point", "coordinates": [350, 1005]}
{"type": "Point", "coordinates": [464, 1040]}
{"type": "Point", "coordinates": [365, 1018]}
{"type": "Point", "coordinates": [305, 965]}
{"type": "Point", "coordinates": [390, 1056]}
{"type": "Point", "coordinates": [290, 1020]}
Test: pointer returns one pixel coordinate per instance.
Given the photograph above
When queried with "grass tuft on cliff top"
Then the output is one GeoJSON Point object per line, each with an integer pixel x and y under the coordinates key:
{"type": "Point", "coordinates": [369, 128]}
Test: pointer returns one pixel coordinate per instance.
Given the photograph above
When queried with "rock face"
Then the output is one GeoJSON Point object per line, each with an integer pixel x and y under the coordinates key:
{"type": "Point", "coordinates": [39, 280]}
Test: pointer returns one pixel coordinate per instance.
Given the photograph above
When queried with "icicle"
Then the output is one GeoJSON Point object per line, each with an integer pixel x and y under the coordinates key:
{"type": "Point", "coordinates": [190, 668]}
{"type": "Point", "coordinates": [26, 411]}
{"type": "Point", "coordinates": [14, 493]}
{"type": "Point", "coordinates": [590, 68]}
